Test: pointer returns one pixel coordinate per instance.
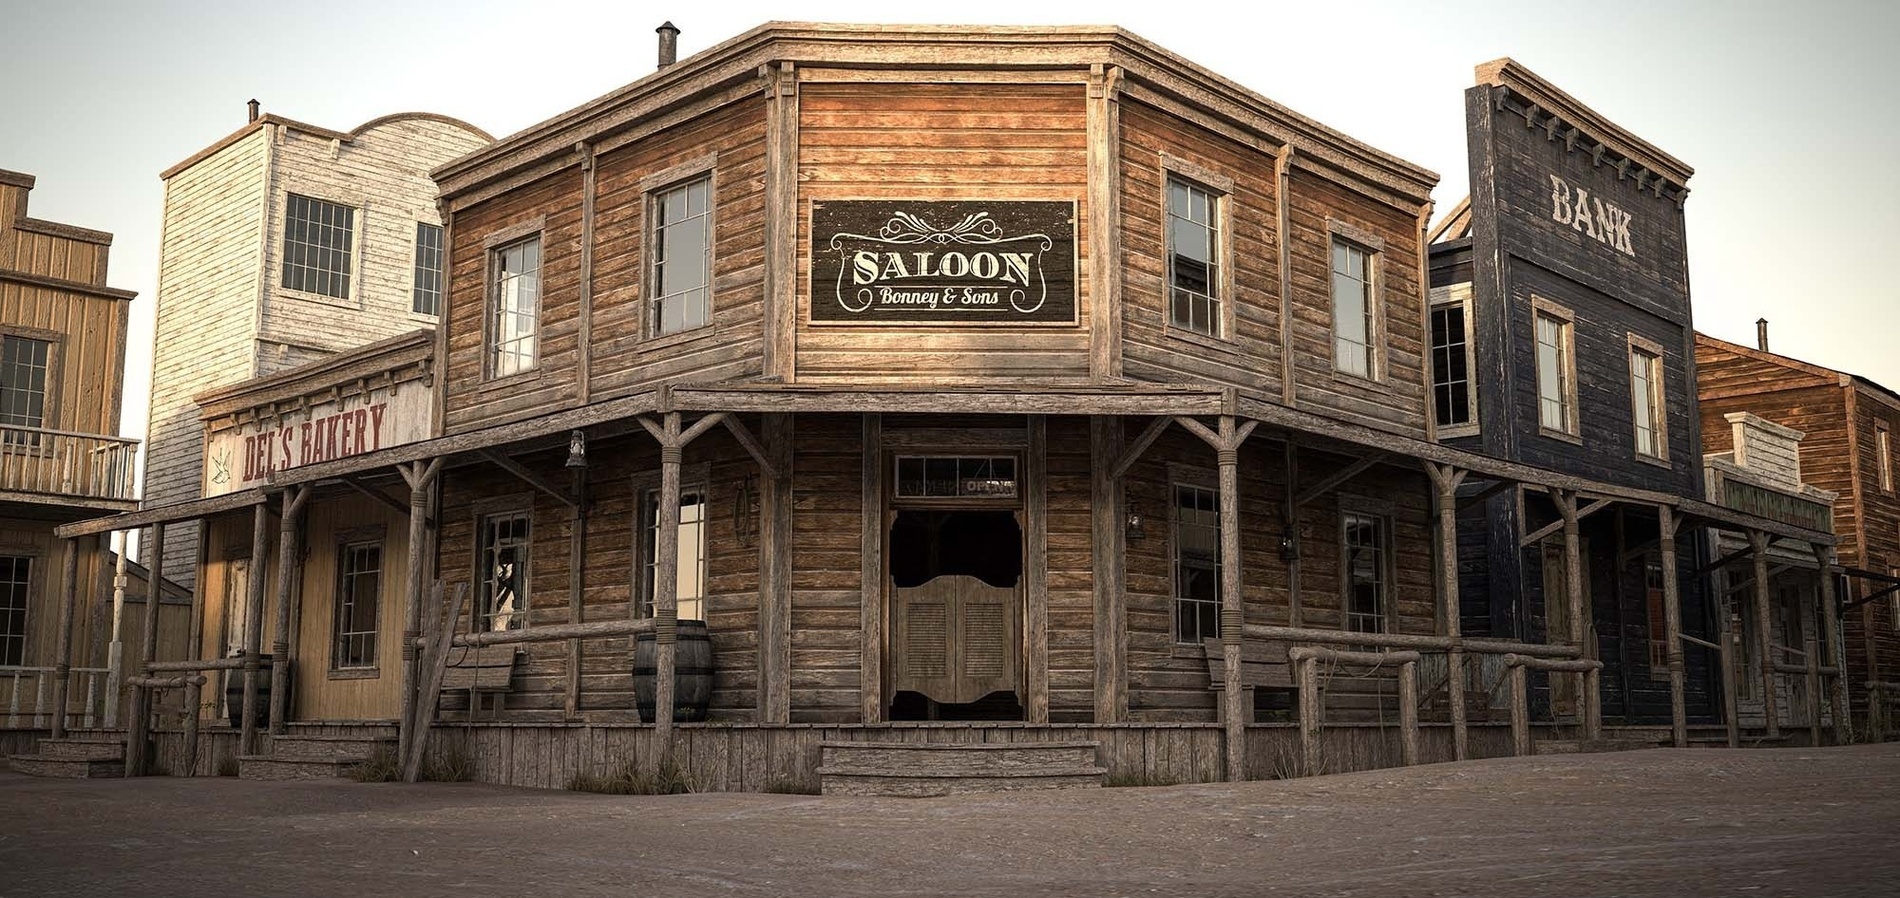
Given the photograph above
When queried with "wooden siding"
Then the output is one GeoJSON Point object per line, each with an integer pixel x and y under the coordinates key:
{"type": "Point", "coordinates": [942, 141]}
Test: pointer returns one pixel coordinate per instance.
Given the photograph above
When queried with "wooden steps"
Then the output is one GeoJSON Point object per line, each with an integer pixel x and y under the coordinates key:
{"type": "Point", "coordinates": [1591, 746]}
{"type": "Point", "coordinates": [925, 769]}
{"type": "Point", "coordinates": [311, 757]}
{"type": "Point", "coordinates": [75, 758]}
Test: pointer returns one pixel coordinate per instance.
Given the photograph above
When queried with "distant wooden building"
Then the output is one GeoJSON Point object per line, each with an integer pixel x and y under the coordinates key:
{"type": "Point", "coordinates": [1848, 450]}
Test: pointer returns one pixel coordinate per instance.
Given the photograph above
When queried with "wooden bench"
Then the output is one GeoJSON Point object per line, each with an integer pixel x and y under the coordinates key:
{"type": "Point", "coordinates": [1263, 665]}
{"type": "Point", "coordinates": [480, 672]}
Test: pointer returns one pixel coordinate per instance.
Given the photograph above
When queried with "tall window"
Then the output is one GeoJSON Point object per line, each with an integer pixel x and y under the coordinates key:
{"type": "Point", "coordinates": [1883, 446]}
{"type": "Point", "coordinates": [514, 307]}
{"type": "Point", "coordinates": [1658, 617]}
{"type": "Point", "coordinates": [1454, 401]}
{"type": "Point", "coordinates": [1367, 577]}
{"type": "Point", "coordinates": [23, 364]}
{"type": "Point", "coordinates": [1196, 564]}
{"type": "Point", "coordinates": [1193, 257]}
{"type": "Point", "coordinates": [16, 575]}
{"type": "Point", "coordinates": [502, 572]}
{"type": "Point", "coordinates": [682, 257]}
{"type": "Point", "coordinates": [237, 586]}
{"type": "Point", "coordinates": [317, 245]}
{"type": "Point", "coordinates": [1646, 400]}
{"type": "Point", "coordinates": [359, 589]}
{"type": "Point", "coordinates": [690, 576]}
{"type": "Point", "coordinates": [1354, 321]}
{"type": "Point", "coordinates": [1556, 393]}
{"type": "Point", "coordinates": [428, 288]}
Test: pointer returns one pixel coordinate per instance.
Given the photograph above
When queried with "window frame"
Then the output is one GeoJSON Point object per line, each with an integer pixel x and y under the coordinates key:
{"type": "Point", "coordinates": [975, 453]}
{"type": "Point", "coordinates": [354, 262]}
{"type": "Point", "coordinates": [1364, 241]}
{"type": "Point", "coordinates": [515, 505]}
{"type": "Point", "coordinates": [1459, 295]}
{"type": "Point", "coordinates": [1657, 614]}
{"type": "Point", "coordinates": [347, 542]}
{"type": "Point", "coordinates": [49, 398]}
{"type": "Point", "coordinates": [493, 247]}
{"type": "Point", "coordinates": [1220, 189]}
{"type": "Point", "coordinates": [1883, 449]}
{"type": "Point", "coordinates": [651, 187]}
{"type": "Point", "coordinates": [1659, 399]}
{"type": "Point", "coordinates": [646, 486]}
{"type": "Point", "coordinates": [22, 639]}
{"type": "Point", "coordinates": [441, 269]}
{"type": "Point", "coordinates": [1382, 514]}
{"type": "Point", "coordinates": [1541, 308]}
{"type": "Point", "coordinates": [1182, 477]}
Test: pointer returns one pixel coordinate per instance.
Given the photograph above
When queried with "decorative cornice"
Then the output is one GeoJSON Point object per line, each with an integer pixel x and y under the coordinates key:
{"type": "Point", "coordinates": [315, 131]}
{"type": "Point", "coordinates": [52, 283]}
{"type": "Point", "coordinates": [1564, 117]}
{"type": "Point", "coordinates": [70, 232]}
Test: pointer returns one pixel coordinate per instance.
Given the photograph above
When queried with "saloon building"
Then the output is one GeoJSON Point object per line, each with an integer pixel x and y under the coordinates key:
{"type": "Point", "coordinates": [899, 409]}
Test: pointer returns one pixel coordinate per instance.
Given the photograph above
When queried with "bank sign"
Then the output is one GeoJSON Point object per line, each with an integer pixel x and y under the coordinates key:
{"type": "Point", "coordinates": [943, 262]}
{"type": "Point", "coordinates": [245, 456]}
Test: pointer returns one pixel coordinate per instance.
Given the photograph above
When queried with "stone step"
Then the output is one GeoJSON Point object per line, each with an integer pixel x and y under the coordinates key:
{"type": "Point", "coordinates": [69, 768]}
{"type": "Point", "coordinates": [83, 749]}
{"type": "Point", "coordinates": [925, 785]}
{"type": "Point", "coordinates": [966, 759]}
{"type": "Point", "coordinates": [273, 767]}
{"type": "Point", "coordinates": [354, 749]}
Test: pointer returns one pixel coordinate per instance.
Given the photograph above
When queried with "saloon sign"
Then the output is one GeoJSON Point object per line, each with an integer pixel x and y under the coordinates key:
{"type": "Point", "coordinates": [245, 456]}
{"type": "Point", "coordinates": [943, 262]}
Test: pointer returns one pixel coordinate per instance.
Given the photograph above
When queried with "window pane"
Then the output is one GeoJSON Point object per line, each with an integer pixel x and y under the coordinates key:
{"type": "Point", "coordinates": [503, 572]}
{"type": "Point", "coordinates": [690, 571]}
{"type": "Point", "coordinates": [1451, 363]}
{"type": "Point", "coordinates": [15, 580]}
{"type": "Point", "coordinates": [1193, 269]}
{"type": "Point", "coordinates": [428, 274]}
{"type": "Point", "coordinates": [1552, 372]}
{"type": "Point", "coordinates": [1196, 538]}
{"type": "Point", "coordinates": [682, 257]}
{"type": "Point", "coordinates": [318, 241]}
{"type": "Point", "coordinates": [1352, 311]}
{"type": "Point", "coordinates": [359, 591]}
{"type": "Point", "coordinates": [515, 314]}
{"type": "Point", "coordinates": [1366, 566]}
{"type": "Point", "coordinates": [23, 388]}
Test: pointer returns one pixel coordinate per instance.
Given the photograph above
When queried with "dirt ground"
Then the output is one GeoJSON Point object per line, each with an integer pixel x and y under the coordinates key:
{"type": "Point", "coordinates": [1664, 822]}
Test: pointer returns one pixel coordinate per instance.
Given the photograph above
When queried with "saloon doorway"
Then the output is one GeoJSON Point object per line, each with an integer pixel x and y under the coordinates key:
{"type": "Point", "coordinates": [956, 579]}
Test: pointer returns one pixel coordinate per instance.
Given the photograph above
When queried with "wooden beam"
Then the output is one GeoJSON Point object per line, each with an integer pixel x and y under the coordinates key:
{"type": "Point", "coordinates": [1494, 488]}
{"type": "Point", "coordinates": [531, 478]}
{"type": "Point", "coordinates": [358, 485]}
{"type": "Point", "coordinates": [1140, 446]}
{"type": "Point", "coordinates": [1541, 533]}
{"type": "Point", "coordinates": [752, 446]}
{"type": "Point", "coordinates": [1327, 483]}
{"type": "Point", "coordinates": [1723, 561]}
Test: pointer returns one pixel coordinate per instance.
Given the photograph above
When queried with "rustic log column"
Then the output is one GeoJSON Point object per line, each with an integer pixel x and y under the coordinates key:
{"type": "Point", "coordinates": [1520, 711]}
{"type": "Point", "coordinates": [1831, 639]}
{"type": "Point", "coordinates": [1308, 669]}
{"type": "Point", "coordinates": [1035, 575]}
{"type": "Point", "coordinates": [420, 476]}
{"type": "Point", "coordinates": [1588, 709]}
{"type": "Point", "coordinates": [1447, 479]}
{"type": "Point", "coordinates": [666, 584]}
{"type": "Point", "coordinates": [254, 626]}
{"type": "Point", "coordinates": [1235, 714]}
{"type": "Point", "coordinates": [775, 573]}
{"type": "Point", "coordinates": [1408, 713]}
{"type": "Point", "coordinates": [1731, 655]}
{"type": "Point", "coordinates": [1295, 609]}
{"type": "Point", "coordinates": [1764, 654]}
{"type": "Point", "coordinates": [1672, 621]}
{"type": "Point", "coordinates": [287, 567]}
{"type": "Point", "coordinates": [1109, 549]}
{"type": "Point", "coordinates": [139, 728]}
{"type": "Point", "coordinates": [63, 644]}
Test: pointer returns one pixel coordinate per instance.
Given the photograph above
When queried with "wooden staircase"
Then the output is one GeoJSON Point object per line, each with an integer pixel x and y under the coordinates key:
{"type": "Point", "coordinates": [312, 757]}
{"type": "Point", "coordinates": [91, 757]}
{"type": "Point", "coordinates": [926, 769]}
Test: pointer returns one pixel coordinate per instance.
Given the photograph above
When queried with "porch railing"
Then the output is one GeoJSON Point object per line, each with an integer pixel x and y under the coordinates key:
{"type": "Point", "coordinates": [23, 682]}
{"type": "Point", "coordinates": [63, 463]}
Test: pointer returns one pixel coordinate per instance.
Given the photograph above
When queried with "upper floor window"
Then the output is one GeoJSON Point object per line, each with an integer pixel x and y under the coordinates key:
{"type": "Point", "coordinates": [23, 366]}
{"type": "Point", "coordinates": [1355, 314]}
{"type": "Point", "coordinates": [501, 571]}
{"type": "Point", "coordinates": [1194, 246]}
{"type": "Point", "coordinates": [1196, 536]}
{"type": "Point", "coordinates": [427, 299]}
{"type": "Point", "coordinates": [690, 575]}
{"type": "Point", "coordinates": [359, 589]}
{"type": "Point", "coordinates": [1368, 564]}
{"type": "Point", "coordinates": [1883, 447]}
{"type": "Point", "coordinates": [514, 307]}
{"type": "Point", "coordinates": [1454, 401]}
{"type": "Point", "coordinates": [16, 577]}
{"type": "Point", "coordinates": [318, 239]}
{"type": "Point", "coordinates": [1646, 398]}
{"type": "Point", "coordinates": [682, 257]}
{"type": "Point", "coordinates": [1556, 372]}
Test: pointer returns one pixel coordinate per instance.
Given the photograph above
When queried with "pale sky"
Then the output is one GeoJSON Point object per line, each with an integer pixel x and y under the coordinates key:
{"type": "Point", "coordinates": [1788, 112]}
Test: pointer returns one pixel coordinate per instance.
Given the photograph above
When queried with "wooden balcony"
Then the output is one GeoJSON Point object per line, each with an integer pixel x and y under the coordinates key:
{"type": "Point", "coordinates": [39, 464]}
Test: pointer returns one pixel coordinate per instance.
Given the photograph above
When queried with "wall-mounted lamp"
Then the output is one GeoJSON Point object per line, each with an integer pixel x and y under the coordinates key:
{"type": "Point", "coordinates": [577, 449]}
{"type": "Point", "coordinates": [1136, 528]}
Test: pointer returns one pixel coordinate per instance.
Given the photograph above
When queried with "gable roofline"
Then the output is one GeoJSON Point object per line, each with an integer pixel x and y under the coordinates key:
{"type": "Point", "coordinates": [315, 131]}
{"type": "Point", "coordinates": [1845, 378]}
{"type": "Point", "coordinates": [1513, 75]}
{"type": "Point", "coordinates": [742, 58]}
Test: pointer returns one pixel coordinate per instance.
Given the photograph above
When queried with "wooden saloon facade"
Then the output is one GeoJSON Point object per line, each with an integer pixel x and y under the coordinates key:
{"type": "Point", "coordinates": [967, 386]}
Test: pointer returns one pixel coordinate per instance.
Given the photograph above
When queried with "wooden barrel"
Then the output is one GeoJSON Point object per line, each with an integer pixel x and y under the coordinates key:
{"type": "Point", "coordinates": [234, 695]}
{"type": "Point", "coordinates": [692, 673]}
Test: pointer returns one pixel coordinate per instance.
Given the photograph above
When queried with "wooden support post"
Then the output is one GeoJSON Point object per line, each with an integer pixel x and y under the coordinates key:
{"type": "Point", "coordinates": [1771, 711]}
{"type": "Point", "coordinates": [1520, 711]}
{"type": "Point", "coordinates": [1589, 706]}
{"type": "Point", "coordinates": [1447, 479]}
{"type": "Point", "coordinates": [254, 627]}
{"type": "Point", "coordinates": [775, 572]}
{"type": "Point", "coordinates": [420, 476]}
{"type": "Point", "coordinates": [1408, 713]}
{"type": "Point", "coordinates": [138, 733]}
{"type": "Point", "coordinates": [1109, 548]}
{"type": "Point", "coordinates": [1831, 639]}
{"type": "Point", "coordinates": [63, 639]}
{"type": "Point", "coordinates": [1295, 611]}
{"type": "Point", "coordinates": [872, 529]}
{"type": "Point", "coordinates": [1730, 656]}
{"type": "Point", "coordinates": [666, 553]}
{"type": "Point", "coordinates": [287, 568]}
{"type": "Point", "coordinates": [1813, 648]}
{"type": "Point", "coordinates": [194, 699]}
{"type": "Point", "coordinates": [1672, 622]}
{"type": "Point", "coordinates": [1035, 492]}
{"type": "Point", "coordinates": [1310, 713]}
{"type": "Point", "coordinates": [576, 575]}
{"type": "Point", "coordinates": [1235, 714]}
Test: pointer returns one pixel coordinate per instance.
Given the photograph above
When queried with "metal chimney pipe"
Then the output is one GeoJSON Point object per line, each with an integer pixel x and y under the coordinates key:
{"type": "Point", "coordinates": [669, 44]}
{"type": "Point", "coordinates": [253, 107]}
{"type": "Point", "coordinates": [1761, 334]}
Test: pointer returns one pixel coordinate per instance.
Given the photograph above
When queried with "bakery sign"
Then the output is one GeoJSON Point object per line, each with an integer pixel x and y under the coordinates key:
{"type": "Point", "coordinates": [943, 262]}
{"type": "Point", "coordinates": [245, 456]}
